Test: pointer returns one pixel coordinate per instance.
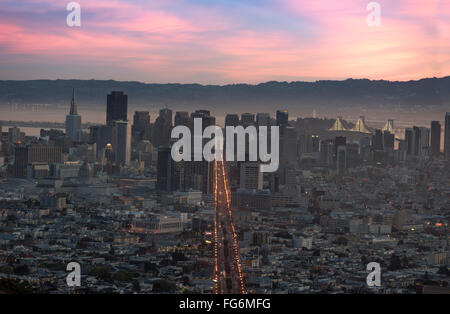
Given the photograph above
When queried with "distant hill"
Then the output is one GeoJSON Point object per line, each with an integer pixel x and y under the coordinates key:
{"type": "Point", "coordinates": [350, 92]}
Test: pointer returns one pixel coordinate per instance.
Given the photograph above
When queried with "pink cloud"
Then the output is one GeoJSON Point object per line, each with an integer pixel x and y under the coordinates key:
{"type": "Point", "coordinates": [412, 42]}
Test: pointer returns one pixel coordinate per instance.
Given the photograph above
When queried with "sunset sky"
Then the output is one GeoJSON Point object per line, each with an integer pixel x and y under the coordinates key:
{"type": "Point", "coordinates": [224, 41]}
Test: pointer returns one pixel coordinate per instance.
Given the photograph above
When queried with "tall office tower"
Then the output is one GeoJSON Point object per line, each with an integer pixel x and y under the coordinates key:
{"type": "Point", "coordinates": [93, 133]}
{"type": "Point", "coordinates": [104, 135]}
{"type": "Point", "coordinates": [109, 152]}
{"type": "Point", "coordinates": [199, 175]}
{"type": "Point", "coordinates": [262, 119]}
{"type": "Point", "coordinates": [289, 146]}
{"type": "Point", "coordinates": [365, 148]}
{"type": "Point", "coordinates": [315, 143]}
{"type": "Point", "coordinates": [423, 141]}
{"type": "Point", "coordinates": [416, 142]}
{"type": "Point", "coordinates": [14, 135]}
{"type": "Point", "coordinates": [122, 143]}
{"type": "Point", "coordinates": [339, 141]}
{"type": "Point", "coordinates": [447, 136]}
{"type": "Point", "coordinates": [409, 140]}
{"type": "Point", "coordinates": [178, 176]}
{"type": "Point", "coordinates": [303, 144]}
{"type": "Point", "coordinates": [388, 145]}
{"type": "Point", "coordinates": [282, 118]}
{"type": "Point", "coordinates": [231, 120]}
{"type": "Point", "coordinates": [162, 128]}
{"type": "Point", "coordinates": [165, 169]}
{"type": "Point", "coordinates": [353, 155]}
{"type": "Point", "coordinates": [116, 107]}
{"type": "Point", "coordinates": [182, 118]}
{"type": "Point", "coordinates": [247, 119]}
{"type": "Point", "coordinates": [141, 126]}
{"type": "Point", "coordinates": [401, 152]}
{"type": "Point", "coordinates": [251, 176]}
{"type": "Point", "coordinates": [341, 159]}
{"type": "Point", "coordinates": [377, 140]}
{"type": "Point", "coordinates": [73, 122]}
{"type": "Point", "coordinates": [388, 141]}
{"type": "Point", "coordinates": [207, 119]}
{"type": "Point", "coordinates": [326, 151]}
{"type": "Point", "coordinates": [24, 155]}
{"type": "Point", "coordinates": [435, 138]}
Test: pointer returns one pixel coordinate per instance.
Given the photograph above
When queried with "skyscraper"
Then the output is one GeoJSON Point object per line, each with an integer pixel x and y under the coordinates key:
{"type": "Point", "coordinates": [377, 140]}
{"type": "Point", "coordinates": [247, 119]}
{"type": "Point", "coordinates": [339, 141]}
{"type": "Point", "coordinates": [326, 151]}
{"type": "Point", "coordinates": [14, 135]}
{"type": "Point", "coordinates": [141, 126]}
{"type": "Point", "coordinates": [182, 118]}
{"type": "Point", "coordinates": [162, 128]}
{"type": "Point", "coordinates": [122, 145]}
{"type": "Point", "coordinates": [315, 143]}
{"type": "Point", "coordinates": [251, 176]}
{"type": "Point", "coordinates": [409, 141]}
{"type": "Point", "coordinates": [422, 140]}
{"type": "Point", "coordinates": [447, 136]}
{"type": "Point", "coordinates": [103, 135]}
{"type": "Point", "coordinates": [207, 119]}
{"type": "Point", "coordinates": [231, 120]}
{"type": "Point", "coordinates": [262, 119]}
{"type": "Point", "coordinates": [282, 117]}
{"type": "Point", "coordinates": [288, 146]}
{"type": "Point", "coordinates": [73, 122]}
{"type": "Point", "coordinates": [116, 107]}
{"type": "Point", "coordinates": [435, 138]}
{"type": "Point", "coordinates": [388, 141]}
{"type": "Point", "coordinates": [341, 159]}
{"type": "Point", "coordinates": [165, 169]}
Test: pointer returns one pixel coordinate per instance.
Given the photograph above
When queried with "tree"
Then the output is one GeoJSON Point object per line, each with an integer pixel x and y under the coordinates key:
{"type": "Point", "coordinates": [21, 270]}
{"type": "Point", "coordinates": [163, 286]}
{"type": "Point", "coordinates": [443, 270]}
{"type": "Point", "coordinates": [102, 273]}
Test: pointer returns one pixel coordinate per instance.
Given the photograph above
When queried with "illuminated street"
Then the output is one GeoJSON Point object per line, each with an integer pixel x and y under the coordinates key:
{"type": "Point", "coordinates": [228, 271]}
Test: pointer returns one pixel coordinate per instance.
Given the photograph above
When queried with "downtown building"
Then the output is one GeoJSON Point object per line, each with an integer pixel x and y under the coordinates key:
{"type": "Point", "coordinates": [447, 136]}
{"type": "Point", "coordinates": [116, 107]}
{"type": "Point", "coordinates": [34, 154]}
{"type": "Point", "coordinates": [435, 138]}
{"type": "Point", "coordinates": [73, 122]}
{"type": "Point", "coordinates": [122, 143]}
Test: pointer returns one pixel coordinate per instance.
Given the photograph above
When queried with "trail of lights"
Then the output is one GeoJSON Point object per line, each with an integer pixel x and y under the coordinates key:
{"type": "Point", "coordinates": [235, 243]}
{"type": "Point", "coordinates": [216, 255]}
{"type": "Point", "coordinates": [228, 274]}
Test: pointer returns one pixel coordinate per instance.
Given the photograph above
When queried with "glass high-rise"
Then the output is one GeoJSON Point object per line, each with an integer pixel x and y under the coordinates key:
{"type": "Point", "coordinates": [116, 107]}
{"type": "Point", "coordinates": [447, 136]}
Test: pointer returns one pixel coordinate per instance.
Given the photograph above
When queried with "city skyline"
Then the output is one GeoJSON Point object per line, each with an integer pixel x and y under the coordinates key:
{"type": "Point", "coordinates": [248, 147]}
